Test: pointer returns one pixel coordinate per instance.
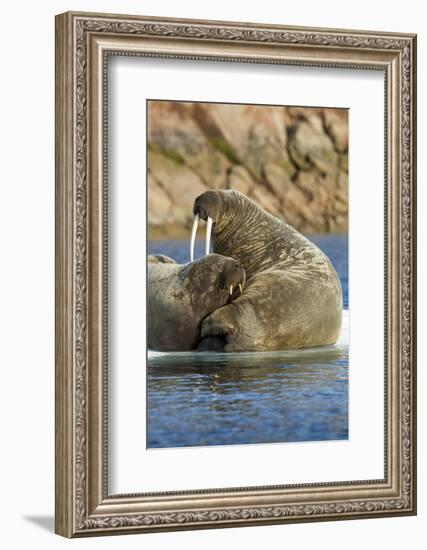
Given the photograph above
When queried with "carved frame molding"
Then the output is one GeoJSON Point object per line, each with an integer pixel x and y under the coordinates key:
{"type": "Point", "coordinates": [83, 43]}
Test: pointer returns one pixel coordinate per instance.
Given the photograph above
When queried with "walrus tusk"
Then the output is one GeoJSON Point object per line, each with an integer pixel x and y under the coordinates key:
{"type": "Point", "coordinates": [231, 290]}
{"type": "Point", "coordinates": [193, 236]}
{"type": "Point", "coordinates": [241, 289]}
{"type": "Point", "coordinates": [208, 235]}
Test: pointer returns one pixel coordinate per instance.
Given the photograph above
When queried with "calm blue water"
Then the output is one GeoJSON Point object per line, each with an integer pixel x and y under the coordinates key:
{"type": "Point", "coordinates": [229, 399]}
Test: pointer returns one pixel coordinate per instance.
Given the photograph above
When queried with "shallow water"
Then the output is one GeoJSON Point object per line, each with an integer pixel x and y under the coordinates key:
{"type": "Point", "coordinates": [241, 398]}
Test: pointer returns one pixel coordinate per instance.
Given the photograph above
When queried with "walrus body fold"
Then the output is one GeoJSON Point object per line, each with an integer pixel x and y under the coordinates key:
{"type": "Point", "coordinates": [293, 296]}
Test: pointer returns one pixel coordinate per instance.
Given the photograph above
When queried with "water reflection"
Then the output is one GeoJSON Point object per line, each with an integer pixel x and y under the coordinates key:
{"type": "Point", "coordinates": [226, 399]}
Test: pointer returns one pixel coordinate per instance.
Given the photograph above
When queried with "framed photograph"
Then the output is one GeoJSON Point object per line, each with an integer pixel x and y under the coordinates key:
{"type": "Point", "coordinates": [235, 274]}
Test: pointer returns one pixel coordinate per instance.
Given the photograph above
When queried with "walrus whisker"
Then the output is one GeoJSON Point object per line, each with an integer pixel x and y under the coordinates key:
{"type": "Point", "coordinates": [208, 235]}
{"type": "Point", "coordinates": [193, 236]}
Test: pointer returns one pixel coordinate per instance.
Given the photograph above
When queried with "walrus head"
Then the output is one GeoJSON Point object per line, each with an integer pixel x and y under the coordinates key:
{"type": "Point", "coordinates": [216, 276]}
{"type": "Point", "coordinates": [209, 206]}
{"type": "Point", "coordinates": [232, 279]}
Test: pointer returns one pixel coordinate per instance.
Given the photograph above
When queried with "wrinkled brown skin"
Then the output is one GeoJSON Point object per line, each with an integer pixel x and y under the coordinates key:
{"type": "Point", "coordinates": [292, 298]}
{"type": "Point", "coordinates": [181, 296]}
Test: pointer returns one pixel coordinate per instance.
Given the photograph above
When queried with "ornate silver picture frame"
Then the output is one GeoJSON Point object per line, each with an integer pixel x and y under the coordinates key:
{"type": "Point", "coordinates": [84, 42]}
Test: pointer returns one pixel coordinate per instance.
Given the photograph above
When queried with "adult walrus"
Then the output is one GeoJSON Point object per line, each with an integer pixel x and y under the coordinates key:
{"type": "Point", "coordinates": [181, 296]}
{"type": "Point", "coordinates": [292, 297]}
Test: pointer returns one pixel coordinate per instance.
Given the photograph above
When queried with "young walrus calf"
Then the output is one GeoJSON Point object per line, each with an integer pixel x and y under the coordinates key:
{"type": "Point", "coordinates": [181, 296]}
{"type": "Point", "coordinates": [293, 296]}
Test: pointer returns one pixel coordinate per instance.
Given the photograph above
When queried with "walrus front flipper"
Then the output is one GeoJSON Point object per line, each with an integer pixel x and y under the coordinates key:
{"type": "Point", "coordinates": [221, 326]}
{"type": "Point", "coordinates": [211, 343]}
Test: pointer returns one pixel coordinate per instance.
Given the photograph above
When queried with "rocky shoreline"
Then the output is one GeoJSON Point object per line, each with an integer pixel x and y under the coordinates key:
{"type": "Point", "coordinates": [292, 161]}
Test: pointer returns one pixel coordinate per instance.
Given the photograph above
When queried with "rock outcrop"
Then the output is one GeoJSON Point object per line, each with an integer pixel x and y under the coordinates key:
{"type": "Point", "coordinates": [292, 160]}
